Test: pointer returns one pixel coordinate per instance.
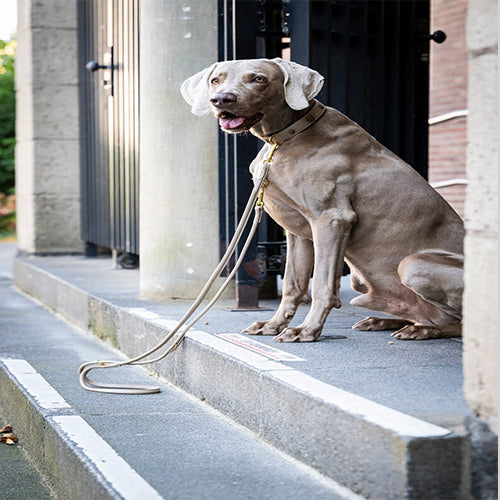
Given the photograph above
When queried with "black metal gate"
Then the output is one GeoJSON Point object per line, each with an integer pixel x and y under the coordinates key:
{"type": "Point", "coordinates": [374, 55]}
{"type": "Point", "coordinates": [109, 104]}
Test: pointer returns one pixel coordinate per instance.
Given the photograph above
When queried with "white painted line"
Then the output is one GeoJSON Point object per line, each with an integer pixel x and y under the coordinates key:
{"type": "Point", "coordinates": [250, 358]}
{"type": "Point", "coordinates": [372, 412]}
{"type": "Point", "coordinates": [375, 413]}
{"type": "Point", "coordinates": [170, 324]}
{"type": "Point", "coordinates": [36, 386]}
{"type": "Point", "coordinates": [143, 313]}
{"type": "Point", "coordinates": [259, 347]}
{"type": "Point", "coordinates": [125, 480]}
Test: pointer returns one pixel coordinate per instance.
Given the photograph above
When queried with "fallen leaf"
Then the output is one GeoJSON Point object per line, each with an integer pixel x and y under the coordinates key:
{"type": "Point", "coordinates": [10, 439]}
{"type": "Point", "coordinates": [6, 428]}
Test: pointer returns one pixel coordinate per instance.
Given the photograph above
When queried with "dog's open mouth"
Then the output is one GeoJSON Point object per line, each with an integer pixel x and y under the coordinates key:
{"type": "Point", "coordinates": [233, 123]}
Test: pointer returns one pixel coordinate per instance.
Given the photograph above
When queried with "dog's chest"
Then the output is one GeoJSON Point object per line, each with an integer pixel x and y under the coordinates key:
{"type": "Point", "coordinates": [300, 186]}
{"type": "Point", "coordinates": [285, 212]}
{"type": "Point", "coordinates": [284, 200]}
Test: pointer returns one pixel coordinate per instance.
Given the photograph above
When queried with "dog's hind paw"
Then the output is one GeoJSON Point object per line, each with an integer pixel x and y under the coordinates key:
{"type": "Point", "coordinates": [373, 324]}
{"type": "Point", "coordinates": [424, 332]}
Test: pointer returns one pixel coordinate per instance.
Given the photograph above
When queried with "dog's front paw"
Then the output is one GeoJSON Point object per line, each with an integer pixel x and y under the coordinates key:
{"type": "Point", "coordinates": [298, 334]}
{"type": "Point", "coordinates": [263, 328]}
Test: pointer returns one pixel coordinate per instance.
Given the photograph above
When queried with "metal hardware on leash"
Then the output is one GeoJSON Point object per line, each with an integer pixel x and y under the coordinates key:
{"type": "Point", "coordinates": [260, 199]}
{"type": "Point", "coordinates": [255, 203]}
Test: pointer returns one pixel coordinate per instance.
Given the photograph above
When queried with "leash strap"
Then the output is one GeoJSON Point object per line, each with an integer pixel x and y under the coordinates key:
{"type": "Point", "coordinates": [255, 202]}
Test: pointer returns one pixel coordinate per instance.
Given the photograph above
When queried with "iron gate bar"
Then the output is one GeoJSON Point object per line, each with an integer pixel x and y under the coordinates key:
{"type": "Point", "coordinates": [93, 150]}
{"type": "Point", "coordinates": [125, 174]}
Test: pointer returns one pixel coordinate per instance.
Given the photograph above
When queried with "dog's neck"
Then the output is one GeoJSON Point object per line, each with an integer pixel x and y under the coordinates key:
{"type": "Point", "coordinates": [297, 123]}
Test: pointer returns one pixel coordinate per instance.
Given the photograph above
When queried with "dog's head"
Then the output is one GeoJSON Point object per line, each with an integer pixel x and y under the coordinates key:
{"type": "Point", "coordinates": [242, 93]}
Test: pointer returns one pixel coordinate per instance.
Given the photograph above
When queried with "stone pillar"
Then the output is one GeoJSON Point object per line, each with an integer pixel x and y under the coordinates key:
{"type": "Point", "coordinates": [47, 151]}
{"type": "Point", "coordinates": [179, 227]}
{"type": "Point", "coordinates": [481, 215]}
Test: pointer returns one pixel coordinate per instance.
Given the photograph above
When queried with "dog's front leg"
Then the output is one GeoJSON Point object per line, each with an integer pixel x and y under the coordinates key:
{"type": "Point", "coordinates": [299, 263]}
{"type": "Point", "coordinates": [330, 234]}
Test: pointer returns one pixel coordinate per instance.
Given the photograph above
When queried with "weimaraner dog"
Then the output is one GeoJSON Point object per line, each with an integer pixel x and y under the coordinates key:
{"type": "Point", "coordinates": [340, 195]}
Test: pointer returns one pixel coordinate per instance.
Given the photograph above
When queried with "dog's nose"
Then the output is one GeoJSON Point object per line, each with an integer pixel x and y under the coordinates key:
{"type": "Point", "coordinates": [223, 99]}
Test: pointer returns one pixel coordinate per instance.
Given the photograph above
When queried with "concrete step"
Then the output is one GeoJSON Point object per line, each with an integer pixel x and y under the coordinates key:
{"type": "Point", "coordinates": [95, 446]}
{"type": "Point", "coordinates": [373, 449]}
{"type": "Point", "coordinates": [21, 480]}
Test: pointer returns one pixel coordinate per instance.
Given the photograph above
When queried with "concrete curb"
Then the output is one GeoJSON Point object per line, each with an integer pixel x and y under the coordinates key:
{"type": "Point", "coordinates": [368, 448]}
{"type": "Point", "coordinates": [67, 469]}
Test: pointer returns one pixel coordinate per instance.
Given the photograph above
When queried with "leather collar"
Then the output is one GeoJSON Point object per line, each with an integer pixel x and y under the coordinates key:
{"type": "Point", "coordinates": [312, 116]}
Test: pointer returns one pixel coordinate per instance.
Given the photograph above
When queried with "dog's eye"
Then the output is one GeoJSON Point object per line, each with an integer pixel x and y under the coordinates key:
{"type": "Point", "coordinates": [215, 81]}
{"type": "Point", "coordinates": [259, 79]}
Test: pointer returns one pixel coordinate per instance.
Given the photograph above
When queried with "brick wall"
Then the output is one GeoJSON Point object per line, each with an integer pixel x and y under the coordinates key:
{"type": "Point", "coordinates": [448, 92]}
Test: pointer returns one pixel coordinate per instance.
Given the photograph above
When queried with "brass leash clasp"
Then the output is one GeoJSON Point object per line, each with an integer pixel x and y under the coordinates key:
{"type": "Point", "coordinates": [269, 160]}
{"type": "Point", "coordinates": [260, 199]}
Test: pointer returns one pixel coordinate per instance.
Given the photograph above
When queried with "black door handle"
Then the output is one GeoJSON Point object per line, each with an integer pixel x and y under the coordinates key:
{"type": "Point", "coordinates": [94, 66]}
{"type": "Point", "coordinates": [438, 36]}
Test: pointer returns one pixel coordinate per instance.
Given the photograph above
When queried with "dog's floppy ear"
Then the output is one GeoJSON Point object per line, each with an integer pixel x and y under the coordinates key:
{"type": "Point", "coordinates": [195, 91]}
{"type": "Point", "coordinates": [301, 83]}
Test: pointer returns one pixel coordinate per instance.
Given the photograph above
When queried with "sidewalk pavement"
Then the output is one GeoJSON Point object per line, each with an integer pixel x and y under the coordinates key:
{"type": "Point", "coordinates": [368, 397]}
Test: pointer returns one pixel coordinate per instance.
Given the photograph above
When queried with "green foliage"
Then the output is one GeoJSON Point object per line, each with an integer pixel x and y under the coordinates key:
{"type": "Point", "coordinates": [7, 116]}
{"type": "Point", "coordinates": [7, 215]}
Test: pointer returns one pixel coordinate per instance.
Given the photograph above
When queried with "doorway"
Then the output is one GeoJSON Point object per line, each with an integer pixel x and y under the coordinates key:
{"type": "Point", "coordinates": [109, 104]}
{"type": "Point", "coordinates": [374, 55]}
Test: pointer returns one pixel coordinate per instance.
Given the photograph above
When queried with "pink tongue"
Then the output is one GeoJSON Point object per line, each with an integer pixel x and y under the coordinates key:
{"type": "Point", "coordinates": [231, 123]}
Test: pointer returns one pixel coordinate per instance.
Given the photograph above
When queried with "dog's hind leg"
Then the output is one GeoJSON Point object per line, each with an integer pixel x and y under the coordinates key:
{"type": "Point", "coordinates": [372, 323]}
{"type": "Point", "coordinates": [437, 278]}
{"type": "Point", "coordinates": [357, 283]}
{"type": "Point", "coordinates": [384, 304]}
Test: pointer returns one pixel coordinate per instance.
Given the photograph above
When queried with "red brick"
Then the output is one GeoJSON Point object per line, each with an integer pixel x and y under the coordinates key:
{"type": "Point", "coordinates": [448, 92]}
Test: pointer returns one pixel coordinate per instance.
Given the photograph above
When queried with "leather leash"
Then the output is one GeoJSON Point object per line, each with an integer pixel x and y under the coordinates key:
{"type": "Point", "coordinates": [255, 201]}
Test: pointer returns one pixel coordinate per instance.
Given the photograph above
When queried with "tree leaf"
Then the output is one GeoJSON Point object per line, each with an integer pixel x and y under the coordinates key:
{"type": "Point", "coordinates": [10, 439]}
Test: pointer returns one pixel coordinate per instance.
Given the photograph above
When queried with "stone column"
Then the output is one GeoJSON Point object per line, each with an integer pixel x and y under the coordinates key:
{"type": "Point", "coordinates": [481, 215]}
{"type": "Point", "coordinates": [179, 227]}
{"type": "Point", "coordinates": [47, 152]}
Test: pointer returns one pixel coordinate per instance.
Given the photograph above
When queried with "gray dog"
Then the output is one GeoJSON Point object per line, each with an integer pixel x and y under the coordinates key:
{"type": "Point", "coordinates": [340, 195]}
